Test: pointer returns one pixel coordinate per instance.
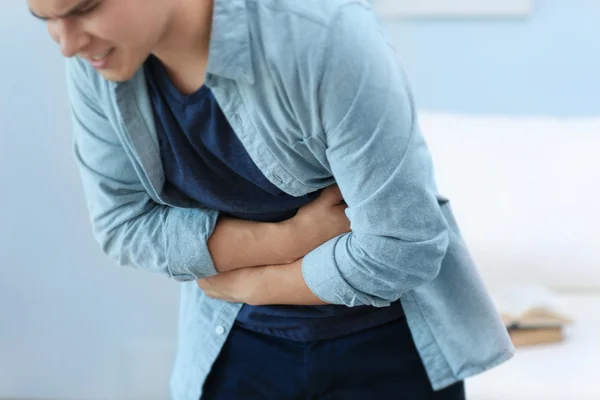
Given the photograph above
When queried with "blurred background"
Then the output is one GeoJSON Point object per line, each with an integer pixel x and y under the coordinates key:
{"type": "Point", "coordinates": [508, 92]}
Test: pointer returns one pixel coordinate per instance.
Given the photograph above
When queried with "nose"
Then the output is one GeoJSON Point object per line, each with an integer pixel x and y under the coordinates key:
{"type": "Point", "coordinates": [69, 37]}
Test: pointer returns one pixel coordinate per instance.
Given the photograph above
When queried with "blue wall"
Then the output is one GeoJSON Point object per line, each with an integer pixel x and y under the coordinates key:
{"type": "Point", "coordinates": [548, 63]}
{"type": "Point", "coordinates": [73, 324]}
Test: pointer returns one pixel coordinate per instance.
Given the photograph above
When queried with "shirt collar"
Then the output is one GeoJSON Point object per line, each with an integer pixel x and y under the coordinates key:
{"type": "Point", "coordinates": [229, 52]}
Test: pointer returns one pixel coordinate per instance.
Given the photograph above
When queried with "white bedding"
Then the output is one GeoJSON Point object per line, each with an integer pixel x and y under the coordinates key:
{"type": "Point", "coordinates": [525, 194]}
{"type": "Point", "coordinates": [564, 371]}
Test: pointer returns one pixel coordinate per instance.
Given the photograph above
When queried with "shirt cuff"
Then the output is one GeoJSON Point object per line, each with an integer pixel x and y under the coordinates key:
{"type": "Point", "coordinates": [188, 257]}
{"type": "Point", "coordinates": [324, 278]}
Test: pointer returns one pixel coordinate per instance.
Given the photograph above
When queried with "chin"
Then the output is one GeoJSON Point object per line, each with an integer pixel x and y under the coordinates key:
{"type": "Point", "coordinates": [118, 76]}
{"type": "Point", "coordinates": [122, 69]}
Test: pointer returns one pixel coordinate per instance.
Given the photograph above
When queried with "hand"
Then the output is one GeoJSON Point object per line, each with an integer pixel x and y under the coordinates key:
{"type": "Point", "coordinates": [238, 286]}
{"type": "Point", "coordinates": [321, 220]}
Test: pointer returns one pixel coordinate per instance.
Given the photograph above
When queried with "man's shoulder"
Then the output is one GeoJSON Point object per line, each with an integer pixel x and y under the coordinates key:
{"type": "Point", "coordinates": [311, 12]}
{"type": "Point", "coordinates": [290, 30]}
{"type": "Point", "coordinates": [289, 39]}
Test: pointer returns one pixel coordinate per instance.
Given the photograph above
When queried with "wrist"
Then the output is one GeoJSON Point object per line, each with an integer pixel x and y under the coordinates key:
{"type": "Point", "coordinates": [284, 285]}
{"type": "Point", "coordinates": [293, 238]}
{"type": "Point", "coordinates": [264, 292]}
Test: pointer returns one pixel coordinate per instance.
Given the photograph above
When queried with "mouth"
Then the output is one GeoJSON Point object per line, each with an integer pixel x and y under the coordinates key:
{"type": "Point", "coordinates": [100, 61]}
{"type": "Point", "coordinates": [99, 57]}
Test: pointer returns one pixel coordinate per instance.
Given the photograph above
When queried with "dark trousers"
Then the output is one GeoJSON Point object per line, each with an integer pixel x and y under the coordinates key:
{"type": "Point", "coordinates": [380, 363]}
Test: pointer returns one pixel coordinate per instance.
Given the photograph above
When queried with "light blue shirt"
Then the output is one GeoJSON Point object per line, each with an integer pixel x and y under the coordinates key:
{"type": "Point", "coordinates": [315, 94]}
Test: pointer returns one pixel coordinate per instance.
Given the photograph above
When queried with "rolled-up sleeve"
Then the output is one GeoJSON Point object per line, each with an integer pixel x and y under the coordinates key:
{"type": "Point", "coordinates": [131, 227]}
{"type": "Point", "coordinates": [380, 161]}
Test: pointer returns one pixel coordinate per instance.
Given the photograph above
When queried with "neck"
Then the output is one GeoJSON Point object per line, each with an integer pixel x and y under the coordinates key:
{"type": "Point", "coordinates": [184, 47]}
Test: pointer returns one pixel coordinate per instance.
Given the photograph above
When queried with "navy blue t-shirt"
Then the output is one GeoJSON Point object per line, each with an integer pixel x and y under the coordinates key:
{"type": "Point", "coordinates": [204, 160]}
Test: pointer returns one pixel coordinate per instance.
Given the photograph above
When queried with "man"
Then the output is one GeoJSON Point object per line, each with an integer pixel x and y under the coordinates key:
{"type": "Point", "coordinates": [212, 137]}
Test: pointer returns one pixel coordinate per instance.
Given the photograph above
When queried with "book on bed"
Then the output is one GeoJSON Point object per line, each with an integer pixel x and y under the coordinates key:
{"type": "Point", "coordinates": [535, 336]}
{"type": "Point", "coordinates": [533, 314]}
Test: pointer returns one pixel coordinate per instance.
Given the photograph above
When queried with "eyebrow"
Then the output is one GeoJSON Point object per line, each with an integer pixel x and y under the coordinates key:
{"type": "Point", "coordinates": [73, 10]}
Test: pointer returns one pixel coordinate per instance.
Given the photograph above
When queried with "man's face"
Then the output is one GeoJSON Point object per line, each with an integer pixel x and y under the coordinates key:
{"type": "Point", "coordinates": [114, 36]}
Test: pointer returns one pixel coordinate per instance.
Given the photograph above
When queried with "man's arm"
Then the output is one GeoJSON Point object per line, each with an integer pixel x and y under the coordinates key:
{"type": "Point", "coordinates": [381, 163]}
{"type": "Point", "coordinates": [268, 285]}
{"type": "Point", "coordinates": [237, 243]}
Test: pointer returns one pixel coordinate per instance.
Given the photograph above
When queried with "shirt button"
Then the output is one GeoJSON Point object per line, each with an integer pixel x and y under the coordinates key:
{"type": "Point", "coordinates": [219, 330]}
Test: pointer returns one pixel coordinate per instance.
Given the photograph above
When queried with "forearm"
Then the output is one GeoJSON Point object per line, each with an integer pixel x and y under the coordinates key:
{"type": "Point", "coordinates": [285, 285]}
{"type": "Point", "coordinates": [265, 285]}
{"type": "Point", "coordinates": [237, 243]}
